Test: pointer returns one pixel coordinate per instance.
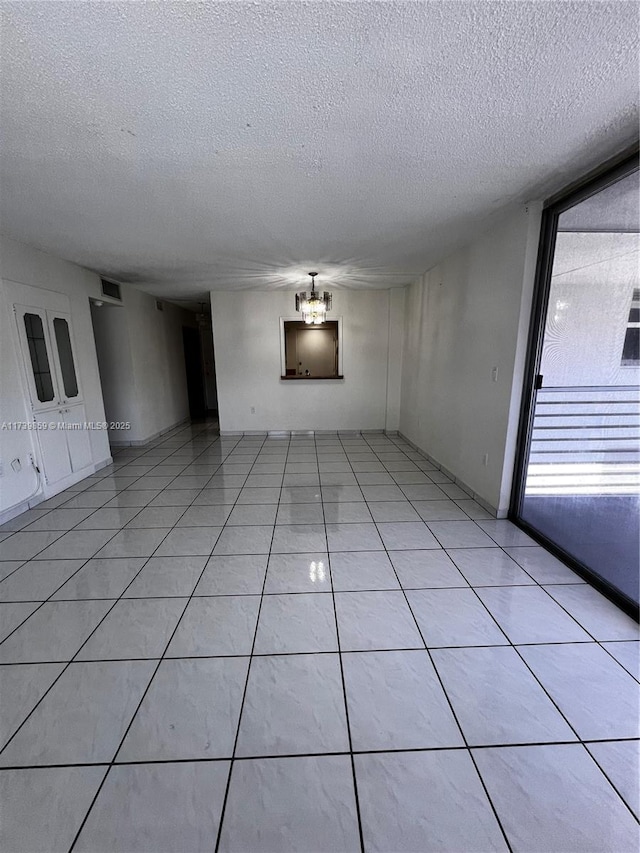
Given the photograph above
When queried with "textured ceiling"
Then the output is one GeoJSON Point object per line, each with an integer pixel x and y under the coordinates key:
{"type": "Point", "coordinates": [188, 146]}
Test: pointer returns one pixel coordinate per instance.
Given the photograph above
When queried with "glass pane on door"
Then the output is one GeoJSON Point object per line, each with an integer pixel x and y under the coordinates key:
{"type": "Point", "coordinates": [582, 483]}
{"type": "Point", "coordinates": [39, 357]}
{"type": "Point", "coordinates": [65, 357]}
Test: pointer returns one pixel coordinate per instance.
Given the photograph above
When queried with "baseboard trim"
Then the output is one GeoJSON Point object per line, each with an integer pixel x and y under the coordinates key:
{"type": "Point", "coordinates": [143, 441]}
{"type": "Point", "coordinates": [459, 482]}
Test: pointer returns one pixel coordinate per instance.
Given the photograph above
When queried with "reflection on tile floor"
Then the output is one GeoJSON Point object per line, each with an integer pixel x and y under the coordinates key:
{"type": "Point", "coordinates": [304, 644]}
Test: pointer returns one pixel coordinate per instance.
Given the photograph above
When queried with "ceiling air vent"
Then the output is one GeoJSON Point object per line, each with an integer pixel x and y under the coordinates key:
{"type": "Point", "coordinates": [159, 305]}
{"type": "Point", "coordinates": [110, 288]}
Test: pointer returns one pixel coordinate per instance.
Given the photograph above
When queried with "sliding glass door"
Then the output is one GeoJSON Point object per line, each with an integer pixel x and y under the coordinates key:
{"type": "Point", "coordinates": [579, 483]}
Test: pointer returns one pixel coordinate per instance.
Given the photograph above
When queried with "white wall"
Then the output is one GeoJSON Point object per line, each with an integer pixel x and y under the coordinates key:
{"type": "Point", "coordinates": [23, 265]}
{"type": "Point", "coordinates": [141, 357]}
{"type": "Point", "coordinates": [465, 317]}
{"type": "Point", "coordinates": [246, 334]}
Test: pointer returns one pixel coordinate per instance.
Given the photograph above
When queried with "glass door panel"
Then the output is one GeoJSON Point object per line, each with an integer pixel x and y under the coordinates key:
{"type": "Point", "coordinates": [582, 468]}
{"type": "Point", "coordinates": [65, 357]}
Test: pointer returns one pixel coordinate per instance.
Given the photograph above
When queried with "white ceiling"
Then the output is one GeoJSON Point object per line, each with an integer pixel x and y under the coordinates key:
{"type": "Point", "coordinates": [188, 146]}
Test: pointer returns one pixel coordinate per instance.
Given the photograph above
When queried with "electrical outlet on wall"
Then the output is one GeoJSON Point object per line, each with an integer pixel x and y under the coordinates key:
{"type": "Point", "coordinates": [494, 374]}
{"type": "Point", "coordinates": [253, 410]}
{"type": "Point", "coordinates": [485, 459]}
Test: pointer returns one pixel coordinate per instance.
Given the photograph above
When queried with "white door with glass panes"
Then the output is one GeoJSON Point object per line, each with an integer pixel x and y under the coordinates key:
{"type": "Point", "coordinates": [48, 350]}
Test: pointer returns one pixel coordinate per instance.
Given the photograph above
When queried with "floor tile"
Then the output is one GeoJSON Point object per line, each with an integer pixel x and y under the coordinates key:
{"type": "Point", "coordinates": [253, 514]}
{"type": "Point", "coordinates": [296, 623]}
{"type": "Point", "coordinates": [620, 761]}
{"type": "Point", "coordinates": [167, 576]}
{"type": "Point", "coordinates": [311, 513]}
{"type": "Point", "coordinates": [627, 654]}
{"type": "Point", "coordinates": [496, 699]}
{"type": "Point", "coordinates": [340, 494]}
{"type": "Point", "coordinates": [216, 626]}
{"type": "Point", "coordinates": [101, 578]}
{"type": "Point", "coordinates": [216, 497]}
{"type": "Point", "coordinates": [372, 474]}
{"type": "Point", "coordinates": [489, 567]}
{"type": "Point", "coordinates": [407, 535]}
{"type": "Point", "coordinates": [473, 509]}
{"type": "Point", "coordinates": [13, 614]}
{"type": "Point", "coordinates": [8, 567]}
{"type": "Point", "coordinates": [291, 804]}
{"type": "Point", "coordinates": [112, 518]}
{"type": "Point", "coordinates": [294, 704]}
{"type": "Point", "coordinates": [442, 510]}
{"type": "Point", "coordinates": [21, 688]}
{"type": "Point", "coordinates": [542, 566]}
{"type": "Point", "coordinates": [423, 492]}
{"type": "Point", "coordinates": [190, 711]}
{"type": "Point", "coordinates": [393, 511]}
{"type": "Point", "coordinates": [84, 716]}
{"type": "Point", "coordinates": [59, 796]}
{"type": "Point", "coordinates": [460, 534]}
{"type": "Point", "coordinates": [131, 499]}
{"type": "Point", "coordinates": [251, 495]}
{"type": "Point", "coordinates": [135, 628]}
{"type": "Point", "coordinates": [263, 480]}
{"type": "Point", "coordinates": [426, 569]}
{"type": "Point", "coordinates": [602, 619]}
{"type": "Point", "coordinates": [133, 543]}
{"type": "Point", "coordinates": [346, 513]}
{"type": "Point", "coordinates": [59, 519]}
{"type": "Point", "coordinates": [297, 538]}
{"type": "Point", "coordinates": [505, 533]}
{"type": "Point", "coordinates": [373, 494]}
{"type": "Point", "coordinates": [244, 540]}
{"type": "Point", "coordinates": [528, 615]}
{"type": "Point", "coordinates": [545, 796]}
{"type": "Point", "coordinates": [156, 516]}
{"type": "Point", "coordinates": [37, 579]}
{"type": "Point", "coordinates": [338, 479]}
{"type": "Point", "coordinates": [235, 574]}
{"type": "Point", "coordinates": [54, 633]}
{"type": "Point", "coordinates": [165, 808]}
{"type": "Point", "coordinates": [395, 701]}
{"type": "Point", "coordinates": [375, 620]}
{"type": "Point", "coordinates": [454, 617]}
{"type": "Point", "coordinates": [298, 573]}
{"type": "Point", "coordinates": [362, 570]}
{"type": "Point", "coordinates": [597, 696]}
{"type": "Point", "coordinates": [188, 542]}
{"type": "Point", "coordinates": [24, 546]}
{"type": "Point", "coordinates": [353, 537]}
{"type": "Point", "coordinates": [438, 804]}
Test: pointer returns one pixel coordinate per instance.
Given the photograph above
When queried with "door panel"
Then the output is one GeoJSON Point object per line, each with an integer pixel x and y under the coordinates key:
{"type": "Point", "coordinates": [77, 437]}
{"type": "Point", "coordinates": [53, 446]}
{"type": "Point", "coordinates": [37, 352]}
{"type": "Point", "coordinates": [580, 488]}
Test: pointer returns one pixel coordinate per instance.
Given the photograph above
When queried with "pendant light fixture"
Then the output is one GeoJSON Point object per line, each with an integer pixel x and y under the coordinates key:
{"type": "Point", "coordinates": [313, 306]}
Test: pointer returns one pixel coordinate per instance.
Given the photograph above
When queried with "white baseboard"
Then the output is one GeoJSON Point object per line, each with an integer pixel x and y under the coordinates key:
{"type": "Point", "coordinates": [465, 488]}
{"type": "Point", "coordinates": [142, 441]}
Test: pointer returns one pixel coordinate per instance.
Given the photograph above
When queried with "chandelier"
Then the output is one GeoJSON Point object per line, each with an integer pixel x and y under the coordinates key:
{"type": "Point", "coordinates": [313, 306]}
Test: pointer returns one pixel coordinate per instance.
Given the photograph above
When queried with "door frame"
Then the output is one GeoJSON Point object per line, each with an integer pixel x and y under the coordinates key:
{"type": "Point", "coordinates": [613, 170]}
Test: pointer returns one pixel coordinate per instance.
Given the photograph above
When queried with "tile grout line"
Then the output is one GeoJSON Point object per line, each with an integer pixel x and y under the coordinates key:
{"type": "Point", "coordinates": [449, 702]}
{"type": "Point", "coordinates": [144, 694]}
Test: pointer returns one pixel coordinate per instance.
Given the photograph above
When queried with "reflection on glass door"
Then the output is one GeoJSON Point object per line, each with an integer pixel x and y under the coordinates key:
{"type": "Point", "coordinates": [581, 480]}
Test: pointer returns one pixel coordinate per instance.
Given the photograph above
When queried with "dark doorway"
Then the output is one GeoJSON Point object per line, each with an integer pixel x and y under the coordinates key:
{"type": "Point", "coordinates": [193, 366]}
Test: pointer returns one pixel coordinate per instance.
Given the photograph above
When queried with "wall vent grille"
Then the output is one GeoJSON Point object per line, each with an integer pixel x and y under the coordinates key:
{"type": "Point", "coordinates": [111, 289]}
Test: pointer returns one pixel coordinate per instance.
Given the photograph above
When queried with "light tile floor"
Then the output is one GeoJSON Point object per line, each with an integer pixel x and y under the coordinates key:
{"type": "Point", "coordinates": [304, 644]}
